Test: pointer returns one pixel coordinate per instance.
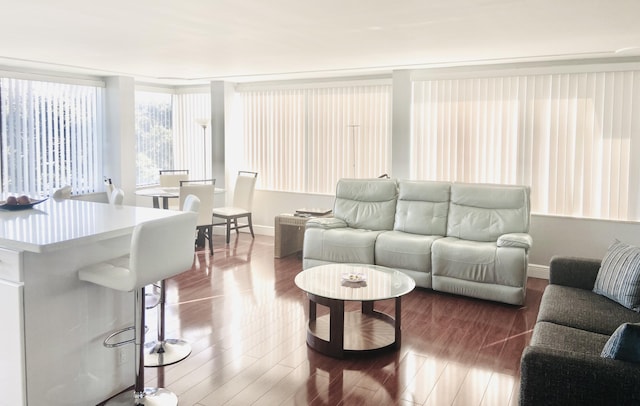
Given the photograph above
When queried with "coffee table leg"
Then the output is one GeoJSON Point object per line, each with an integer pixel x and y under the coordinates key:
{"type": "Point", "coordinates": [367, 307]}
{"type": "Point", "coordinates": [397, 321]}
{"type": "Point", "coordinates": [312, 310]}
{"type": "Point", "coordinates": [336, 323]}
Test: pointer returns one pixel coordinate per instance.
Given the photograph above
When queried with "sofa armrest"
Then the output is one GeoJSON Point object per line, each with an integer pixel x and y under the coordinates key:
{"type": "Point", "coordinates": [554, 377]}
{"type": "Point", "coordinates": [515, 240]}
{"type": "Point", "coordinates": [574, 272]}
{"type": "Point", "coordinates": [326, 223]}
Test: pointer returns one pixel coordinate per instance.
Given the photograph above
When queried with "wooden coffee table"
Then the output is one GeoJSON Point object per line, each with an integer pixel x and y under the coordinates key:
{"type": "Point", "coordinates": [339, 334]}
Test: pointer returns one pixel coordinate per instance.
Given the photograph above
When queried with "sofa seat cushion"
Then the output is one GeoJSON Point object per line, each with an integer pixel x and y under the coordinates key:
{"type": "Point", "coordinates": [584, 310]}
{"type": "Point", "coordinates": [559, 337]}
{"type": "Point", "coordinates": [399, 250]}
{"type": "Point", "coordinates": [346, 245]}
{"type": "Point", "coordinates": [481, 262]}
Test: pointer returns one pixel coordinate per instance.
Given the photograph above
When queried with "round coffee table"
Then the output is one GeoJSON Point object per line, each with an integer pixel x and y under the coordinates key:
{"type": "Point", "coordinates": [338, 334]}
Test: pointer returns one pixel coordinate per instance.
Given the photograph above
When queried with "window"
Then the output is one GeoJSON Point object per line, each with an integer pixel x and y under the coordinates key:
{"type": "Point", "coordinates": [304, 139]}
{"type": "Point", "coordinates": [154, 138]}
{"type": "Point", "coordinates": [169, 136]}
{"type": "Point", "coordinates": [570, 136]}
{"type": "Point", "coordinates": [50, 136]}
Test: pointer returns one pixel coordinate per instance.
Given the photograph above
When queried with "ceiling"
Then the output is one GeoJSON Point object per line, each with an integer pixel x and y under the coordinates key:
{"type": "Point", "coordinates": [194, 41]}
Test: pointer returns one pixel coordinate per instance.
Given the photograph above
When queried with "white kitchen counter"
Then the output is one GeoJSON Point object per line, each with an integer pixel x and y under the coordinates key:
{"type": "Point", "coordinates": [53, 224]}
{"type": "Point", "coordinates": [51, 350]}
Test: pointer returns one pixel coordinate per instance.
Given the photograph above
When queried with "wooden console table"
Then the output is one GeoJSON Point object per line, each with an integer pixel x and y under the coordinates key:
{"type": "Point", "coordinates": [289, 234]}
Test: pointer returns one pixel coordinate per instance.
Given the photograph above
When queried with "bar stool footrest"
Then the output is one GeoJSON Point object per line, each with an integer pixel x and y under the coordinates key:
{"type": "Point", "coordinates": [109, 344]}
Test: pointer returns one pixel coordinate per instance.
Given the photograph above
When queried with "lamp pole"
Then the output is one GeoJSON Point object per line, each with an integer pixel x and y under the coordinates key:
{"type": "Point", "coordinates": [204, 123]}
{"type": "Point", "coordinates": [204, 149]}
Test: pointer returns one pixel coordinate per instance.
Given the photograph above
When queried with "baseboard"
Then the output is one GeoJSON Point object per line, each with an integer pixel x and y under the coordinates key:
{"type": "Point", "coordinates": [538, 271]}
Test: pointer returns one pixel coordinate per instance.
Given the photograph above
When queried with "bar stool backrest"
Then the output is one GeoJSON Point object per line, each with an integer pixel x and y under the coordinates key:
{"type": "Point", "coordinates": [162, 248]}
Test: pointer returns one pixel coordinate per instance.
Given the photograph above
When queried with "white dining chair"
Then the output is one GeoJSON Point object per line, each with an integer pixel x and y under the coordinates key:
{"type": "Point", "coordinates": [242, 204]}
{"type": "Point", "coordinates": [204, 190]}
{"type": "Point", "coordinates": [160, 249]}
{"type": "Point", "coordinates": [171, 178]}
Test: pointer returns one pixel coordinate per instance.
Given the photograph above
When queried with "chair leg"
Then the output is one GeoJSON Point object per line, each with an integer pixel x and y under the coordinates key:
{"type": "Point", "coordinates": [235, 226]}
{"type": "Point", "coordinates": [250, 225]}
{"type": "Point", "coordinates": [228, 230]}
{"type": "Point", "coordinates": [210, 236]}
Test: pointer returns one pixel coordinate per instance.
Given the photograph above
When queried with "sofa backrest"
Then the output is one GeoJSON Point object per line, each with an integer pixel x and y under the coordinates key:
{"type": "Point", "coordinates": [481, 212]}
{"type": "Point", "coordinates": [422, 207]}
{"type": "Point", "coordinates": [369, 204]}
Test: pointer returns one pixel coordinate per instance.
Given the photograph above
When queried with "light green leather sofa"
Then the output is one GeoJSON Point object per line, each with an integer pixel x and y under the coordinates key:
{"type": "Point", "coordinates": [467, 239]}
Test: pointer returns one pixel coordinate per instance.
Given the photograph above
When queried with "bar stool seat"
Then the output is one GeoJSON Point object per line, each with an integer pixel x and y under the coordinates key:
{"type": "Point", "coordinates": [160, 249]}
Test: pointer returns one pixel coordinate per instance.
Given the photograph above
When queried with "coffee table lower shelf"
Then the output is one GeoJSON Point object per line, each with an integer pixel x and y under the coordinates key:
{"type": "Point", "coordinates": [340, 334]}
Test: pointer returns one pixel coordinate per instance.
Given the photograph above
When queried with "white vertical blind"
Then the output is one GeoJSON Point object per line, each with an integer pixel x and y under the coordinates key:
{"type": "Point", "coordinates": [50, 136]}
{"type": "Point", "coordinates": [305, 139]}
{"type": "Point", "coordinates": [570, 136]}
{"type": "Point", "coordinates": [192, 145]}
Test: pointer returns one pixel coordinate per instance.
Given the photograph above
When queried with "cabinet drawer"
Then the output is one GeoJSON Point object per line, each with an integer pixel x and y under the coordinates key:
{"type": "Point", "coordinates": [11, 265]}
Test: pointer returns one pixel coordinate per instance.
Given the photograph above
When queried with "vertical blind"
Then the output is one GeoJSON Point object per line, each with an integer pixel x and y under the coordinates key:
{"type": "Point", "coordinates": [50, 136]}
{"type": "Point", "coordinates": [192, 144]}
{"type": "Point", "coordinates": [305, 139]}
{"type": "Point", "coordinates": [572, 137]}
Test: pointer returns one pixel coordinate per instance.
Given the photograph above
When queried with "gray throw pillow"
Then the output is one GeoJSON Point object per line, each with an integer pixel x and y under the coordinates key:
{"type": "Point", "coordinates": [619, 275]}
{"type": "Point", "coordinates": [624, 344]}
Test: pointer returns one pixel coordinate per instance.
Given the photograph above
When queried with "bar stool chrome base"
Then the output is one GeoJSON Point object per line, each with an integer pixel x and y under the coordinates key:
{"type": "Point", "coordinates": [167, 352]}
{"type": "Point", "coordinates": [152, 397]}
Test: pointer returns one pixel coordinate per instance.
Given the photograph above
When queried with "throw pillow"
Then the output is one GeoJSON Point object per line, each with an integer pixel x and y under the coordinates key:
{"type": "Point", "coordinates": [624, 344]}
{"type": "Point", "coordinates": [619, 275]}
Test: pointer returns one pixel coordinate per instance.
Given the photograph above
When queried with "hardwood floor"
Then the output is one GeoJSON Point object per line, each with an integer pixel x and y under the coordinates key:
{"type": "Point", "coordinates": [246, 321]}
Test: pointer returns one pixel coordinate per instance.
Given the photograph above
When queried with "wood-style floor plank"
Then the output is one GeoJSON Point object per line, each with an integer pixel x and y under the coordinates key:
{"type": "Point", "coordinates": [246, 321]}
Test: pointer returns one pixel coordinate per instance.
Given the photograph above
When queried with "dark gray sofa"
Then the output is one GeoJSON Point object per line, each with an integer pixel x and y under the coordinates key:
{"type": "Point", "coordinates": [562, 365]}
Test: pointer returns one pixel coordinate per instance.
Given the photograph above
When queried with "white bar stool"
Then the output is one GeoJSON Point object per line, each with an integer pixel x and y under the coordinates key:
{"type": "Point", "coordinates": [167, 351]}
{"type": "Point", "coordinates": [160, 249]}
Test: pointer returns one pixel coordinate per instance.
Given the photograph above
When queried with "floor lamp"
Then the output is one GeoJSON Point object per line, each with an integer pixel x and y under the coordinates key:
{"type": "Point", "coordinates": [204, 123]}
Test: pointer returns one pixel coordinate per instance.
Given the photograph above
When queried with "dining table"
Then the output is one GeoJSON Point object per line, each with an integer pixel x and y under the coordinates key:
{"type": "Point", "coordinates": [165, 193]}
{"type": "Point", "coordinates": [157, 193]}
